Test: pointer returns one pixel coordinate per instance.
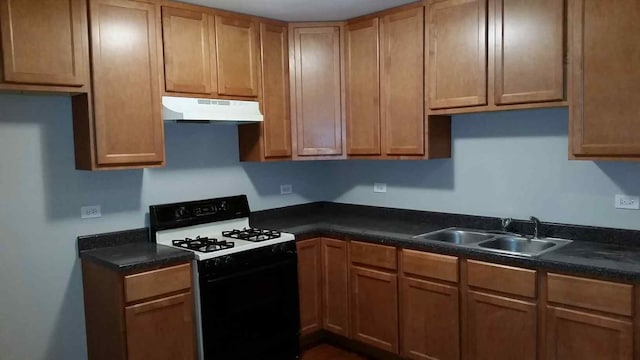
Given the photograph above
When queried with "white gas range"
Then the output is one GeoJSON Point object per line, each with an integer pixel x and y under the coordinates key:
{"type": "Point", "coordinates": [245, 279]}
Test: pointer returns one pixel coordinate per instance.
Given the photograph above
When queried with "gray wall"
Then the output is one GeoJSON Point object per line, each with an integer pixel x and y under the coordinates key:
{"type": "Point", "coordinates": [504, 164]}
{"type": "Point", "coordinates": [41, 308]}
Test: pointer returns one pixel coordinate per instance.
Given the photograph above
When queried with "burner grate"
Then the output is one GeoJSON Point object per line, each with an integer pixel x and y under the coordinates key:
{"type": "Point", "coordinates": [203, 244]}
{"type": "Point", "coordinates": [252, 234]}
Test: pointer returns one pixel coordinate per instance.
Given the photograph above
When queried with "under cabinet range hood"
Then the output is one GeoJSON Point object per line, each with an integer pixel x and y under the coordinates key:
{"type": "Point", "coordinates": [182, 109]}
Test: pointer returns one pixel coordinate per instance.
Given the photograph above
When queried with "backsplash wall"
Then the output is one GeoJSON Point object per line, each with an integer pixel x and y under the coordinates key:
{"type": "Point", "coordinates": [506, 164]}
{"type": "Point", "coordinates": [41, 306]}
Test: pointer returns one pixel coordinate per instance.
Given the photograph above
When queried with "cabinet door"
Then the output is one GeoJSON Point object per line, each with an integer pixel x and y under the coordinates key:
{"type": "Point", "coordinates": [237, 53]}
{"type": "Point", "coordinates": [605, 85]}
{"type": "Point", "coordinates": [161, 329]}
{"type": "Point", "coordinates": [457, 53]}
{"type": "Point", "coordinates": [430, 322]}
{"type": "Point", "coordinates": [310, 284]}
{"type": "Point", "coordinates": [579, 335]}
{"type": "Point", "coordinates": [374, 308]}
{"type": "Point", "coordinates": [499, 328]}
{"type": "Point", "coordinates": [317, 80]}
{"type": "Point", "coordinates": [126, 86]}
{"type": "Point", "coordinates": [335, 286]}
{"type": "Point", "coordinates": [275, 90]}
{"type": "Point", "coordinates": [187, 56]}
{"type": "Point", "coordinates": [529, 51]}
{"type": "Point", "coordinates": [402, 39]}
{"type": "Point", "coordinates": [42, 42]}
{"type": "Point", "coordinates": [363, 88]}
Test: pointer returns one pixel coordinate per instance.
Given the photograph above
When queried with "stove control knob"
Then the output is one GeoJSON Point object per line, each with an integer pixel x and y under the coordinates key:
{"type": "Point", "coordinates": [181, 212]}
{"type": "Point", "coordinates": [228, 261]}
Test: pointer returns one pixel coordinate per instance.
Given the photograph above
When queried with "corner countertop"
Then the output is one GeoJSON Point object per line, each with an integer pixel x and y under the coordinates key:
{"type": "Point", "coordinates": [612, 254]}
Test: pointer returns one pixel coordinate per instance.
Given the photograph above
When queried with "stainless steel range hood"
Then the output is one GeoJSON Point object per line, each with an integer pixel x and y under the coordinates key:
{"type": "Point", "coordinates": [181, 109]}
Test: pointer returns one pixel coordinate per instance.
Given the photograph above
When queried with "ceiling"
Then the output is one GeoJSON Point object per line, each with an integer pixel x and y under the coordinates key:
{"type": "Point", "coordinates": [303, 10]}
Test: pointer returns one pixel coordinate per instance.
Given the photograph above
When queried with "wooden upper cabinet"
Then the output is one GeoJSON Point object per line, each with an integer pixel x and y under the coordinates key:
{"type": "Point", "coordinates": [187, 51]}
{"type": "Point", "coordinates": [126, 86]}
{"type": "Point", "coordinates": [43, 42]}
{"type": "Point", "coordinates": [605, 79]}
{"type": "Point", "coordinates": [402, 84]}
{"type": "Point", "coordinates": [362, 87]}
{"type": "Point", "coordinates": [275, 90]}
{"type": "Point", "coordinates": [310, 284]}
{"type": "Point", "coordinates": [457, 50]}
{"type": "Point", "coordinates": [237, 55]}
{"type": "Point", "coordinates": [573, 334]}
{"type": "Point", "coordinates": [529, 51]}
{"type": "Point", "coordinates": [317, 94]}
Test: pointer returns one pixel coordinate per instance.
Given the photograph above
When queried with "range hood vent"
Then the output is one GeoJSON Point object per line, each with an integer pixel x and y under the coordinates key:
{"type": "Point", "coordinates": [190, 110]}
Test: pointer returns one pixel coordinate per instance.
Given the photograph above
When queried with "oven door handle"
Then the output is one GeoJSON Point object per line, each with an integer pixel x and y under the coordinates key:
{"type": "Point", "coordinates": [253, 270]}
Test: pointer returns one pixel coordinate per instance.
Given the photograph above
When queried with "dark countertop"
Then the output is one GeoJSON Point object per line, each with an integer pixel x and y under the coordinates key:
{"type": "Point", "coordinates": [609, 253]}
{"type": "Point", "coordinates": [129, 251]}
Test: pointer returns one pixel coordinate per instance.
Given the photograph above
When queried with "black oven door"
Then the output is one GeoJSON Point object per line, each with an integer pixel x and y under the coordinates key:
{"type": "Point", "coordinates": [252, 312]}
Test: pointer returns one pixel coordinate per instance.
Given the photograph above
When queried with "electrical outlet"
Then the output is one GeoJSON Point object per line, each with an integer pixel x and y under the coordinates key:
{"type": "Point", "coordinates": [627, 202]}
{"type": "Point", "coordinates": [92, 211]}
{"type": "Point", "coordinates": [286, 189]}
{"type": "Point", "coordinates": [380, 187]}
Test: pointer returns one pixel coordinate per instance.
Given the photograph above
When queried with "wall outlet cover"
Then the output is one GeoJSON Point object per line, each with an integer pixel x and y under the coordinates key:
{"type": "Point", "coordinates": [286, 189]}
{"type": "Point", "coordinates": [89, 212]}
{"type": "Point", "coordinates": [380, 187]}
{"type": "Point", "coordinates": [627, 202]}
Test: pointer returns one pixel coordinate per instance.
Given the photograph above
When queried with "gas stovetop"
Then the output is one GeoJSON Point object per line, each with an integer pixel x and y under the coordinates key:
{"type": "Point", "coordinates": [203, 244]}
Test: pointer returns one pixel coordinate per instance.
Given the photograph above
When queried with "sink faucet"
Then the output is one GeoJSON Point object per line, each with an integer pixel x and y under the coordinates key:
{"type": "Point", "coordinates": [537, 226]}
{"type": "Point", "coordinates": [505, 223]}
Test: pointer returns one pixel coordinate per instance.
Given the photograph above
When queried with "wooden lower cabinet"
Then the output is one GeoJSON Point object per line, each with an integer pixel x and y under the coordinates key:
{"type": "Point", "coordinates": [310, 285]}
{"type": "Point", "coordinates": [152, 327]}
{"type": "Point", "coordinates": [500, 328]}
{"type": "Point", "coordinates": [430, 326]}
{"type": "Point", "coordinates": [335, 287]}
{"type": "Point", "coordinates": [374, 308]}
{"type": "Point", "coordinates": [147, 315]}
{"type": "Point", "coordinates": [573, 334]}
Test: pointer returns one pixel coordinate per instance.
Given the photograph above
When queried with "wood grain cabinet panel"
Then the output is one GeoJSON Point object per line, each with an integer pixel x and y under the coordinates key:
{"type": "Point", "coordinates": [126, 87]}
{"type": "Point", "coordinates": [374, 309]}
{"type": "Point", "coordinates": [43, 42]}
{"type": "Point", "coordinates": [605, 79]}
{"type": "Point", "coordinates": [317, 93]}
{"type": "Point", "coordinates": [335, 287]}
{"type": "Point", "coordinates": [402, 84]}
{"type": "Point", "coordinates": [500, 328]}
{"type": "Point", "coordinates": [310, 284]}
{"type": "Point", "coordinates": [237, 55]}
{"type": "Point", "coordinates": [161, 329]}
{"type": "Point", "coordinates": [529, 51]}
{"type": "Point", "coordinates": [457, 66]}
{"type": "Point", "coordinates": [580, 335]}
{"type": "Point", "coordinates": [187, 51]}
{"type": "Point", "coordinates": [430, 325]}
{"type": "Point", "coordinates": [363, 87]}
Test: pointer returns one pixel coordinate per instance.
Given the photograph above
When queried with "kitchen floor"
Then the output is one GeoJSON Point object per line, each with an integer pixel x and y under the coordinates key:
{"type": "Point", "coordinates": [328, 352]}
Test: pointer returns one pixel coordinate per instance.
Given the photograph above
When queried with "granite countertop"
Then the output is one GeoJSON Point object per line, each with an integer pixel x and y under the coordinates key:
{"type": "Point", "coordinates": [609, 253]}
{"type": "Point", "coordinates": [129, 251]}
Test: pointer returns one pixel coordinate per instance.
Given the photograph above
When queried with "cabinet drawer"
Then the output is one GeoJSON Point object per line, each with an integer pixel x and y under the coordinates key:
{"type": "Point", "coordinates": [591, 294]}
{"type": "Point", "coordinates": [374, 255]}
{"type": "Point", "coordinates": [506, 279]}
{"type": "Point", "coordinates": [157, 282]}
{"type": "Point", "coordinates": [441, 267]}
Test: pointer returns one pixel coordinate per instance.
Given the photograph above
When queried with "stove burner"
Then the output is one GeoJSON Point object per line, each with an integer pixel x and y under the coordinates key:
{"type": "Point", "coordinates": [252, 234]}
{"type": "Point", "coordinates": [203, 244]}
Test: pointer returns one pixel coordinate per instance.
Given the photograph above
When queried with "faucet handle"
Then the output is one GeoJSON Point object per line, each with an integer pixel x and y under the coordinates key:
{"type": "Point", "coordinates": [506, 222]}
{"type": "Point", "coordinates": [537, 226]}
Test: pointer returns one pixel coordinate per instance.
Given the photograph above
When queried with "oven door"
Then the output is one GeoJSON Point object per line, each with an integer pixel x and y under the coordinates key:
{"type": "Point", "coordinates": [252, 313]}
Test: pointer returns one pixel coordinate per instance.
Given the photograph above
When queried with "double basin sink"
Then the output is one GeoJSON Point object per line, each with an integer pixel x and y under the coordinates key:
{"type": "Point", "coordinates": [498, 242]}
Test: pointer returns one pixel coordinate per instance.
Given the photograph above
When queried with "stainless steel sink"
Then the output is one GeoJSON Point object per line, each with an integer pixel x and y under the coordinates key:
{"type": "Point", "coordinates": [456, 236]}
{"type": "Point", "coordinates": [523, 246]}
{"type": "Point", "coordinates": [500, 242]}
